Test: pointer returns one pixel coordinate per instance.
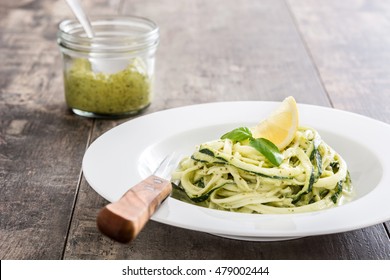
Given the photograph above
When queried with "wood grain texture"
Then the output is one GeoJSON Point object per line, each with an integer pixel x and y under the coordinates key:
{"type": "Point", "coordinates": [349, 42]}
{"type": "Point", "coordinates": [328, 53]}
{"type": "Point", "coordinates": [123, 220]}
{"type": "Point", "coordinates": [350, 49]}
{"type": "Point", "coordinates": [41, 143]}
{"type": "Point", "coordinates": [214, 51]}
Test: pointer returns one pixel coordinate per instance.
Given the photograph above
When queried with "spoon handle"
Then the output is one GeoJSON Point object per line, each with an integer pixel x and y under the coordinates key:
{"type": "Point", "coordinates": [78, 11]}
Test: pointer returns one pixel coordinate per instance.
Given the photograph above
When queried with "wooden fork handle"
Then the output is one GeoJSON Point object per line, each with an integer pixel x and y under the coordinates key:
{"type": "Point", "coordinates": [125, 218]}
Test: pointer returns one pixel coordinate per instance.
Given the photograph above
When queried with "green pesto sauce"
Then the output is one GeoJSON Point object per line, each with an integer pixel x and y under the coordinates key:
{"type": "Point", "coordinates": [119, 93]}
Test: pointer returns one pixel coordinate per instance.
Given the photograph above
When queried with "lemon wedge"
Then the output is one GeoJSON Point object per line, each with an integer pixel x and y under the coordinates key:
{"type": "Point", "coordinates": [281, 125]}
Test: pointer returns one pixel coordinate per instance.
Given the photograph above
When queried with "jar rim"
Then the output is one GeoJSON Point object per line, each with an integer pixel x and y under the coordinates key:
{"type": "Point", "coordinates": [112, 34]}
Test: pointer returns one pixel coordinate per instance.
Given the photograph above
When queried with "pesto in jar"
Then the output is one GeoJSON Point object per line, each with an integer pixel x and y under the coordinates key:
{"type": "Point", "coordinates": [123, 92]}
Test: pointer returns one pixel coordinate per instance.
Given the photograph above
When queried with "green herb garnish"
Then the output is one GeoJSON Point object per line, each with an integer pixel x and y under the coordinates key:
{"type": "Point", "coordinates": [264, 146]}
{"type": "Point", "coordinates": [238, 134]}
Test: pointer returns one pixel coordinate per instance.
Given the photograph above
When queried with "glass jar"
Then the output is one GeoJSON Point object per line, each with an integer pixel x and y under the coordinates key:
{"type": "Point", "coordinates": [111, 74]}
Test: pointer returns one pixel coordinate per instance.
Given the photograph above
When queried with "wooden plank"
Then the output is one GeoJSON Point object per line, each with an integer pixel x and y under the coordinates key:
{"type": "Point", "coordinates": [220, 51]}
{"type": "Point", "coordinates": [39, 176]}
{"type": "Point", "coordinates": [349, 42]}
{"type": "Point", "coordinates": [210, 51]}
{"type": "Point", "coordinates": [350, 47]}
{"type": "Point", "coordinates": [41, 143]}
{"type": "Point", "coordinates": [387, 227]}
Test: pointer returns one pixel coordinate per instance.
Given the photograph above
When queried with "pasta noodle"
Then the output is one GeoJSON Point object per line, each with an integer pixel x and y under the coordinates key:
{"type": "Point", "coordinates": [228, 175]}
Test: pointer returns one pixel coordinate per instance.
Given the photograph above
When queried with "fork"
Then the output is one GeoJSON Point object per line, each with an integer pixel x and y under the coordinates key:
{"type": "Point", "coordinates": [124, 219]}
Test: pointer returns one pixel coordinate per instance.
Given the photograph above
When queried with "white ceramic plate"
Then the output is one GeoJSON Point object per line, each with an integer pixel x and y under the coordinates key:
{"type": "Point", "coordinates": [129, 152]}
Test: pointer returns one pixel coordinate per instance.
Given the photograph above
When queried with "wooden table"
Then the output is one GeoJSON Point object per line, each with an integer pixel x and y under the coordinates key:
{"type": "Point", "coordinates": [329, 53]}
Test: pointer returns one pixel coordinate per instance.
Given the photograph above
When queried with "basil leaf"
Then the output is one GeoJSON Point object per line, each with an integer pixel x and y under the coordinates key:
{"type": "Point", "coordinates": [268, 149]}
{"type": "Point", "coordinates": [238, 134]}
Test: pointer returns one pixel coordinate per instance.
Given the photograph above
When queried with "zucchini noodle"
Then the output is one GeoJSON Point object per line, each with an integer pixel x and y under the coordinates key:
{"type": "Point", "coordinates": [233, 176]}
